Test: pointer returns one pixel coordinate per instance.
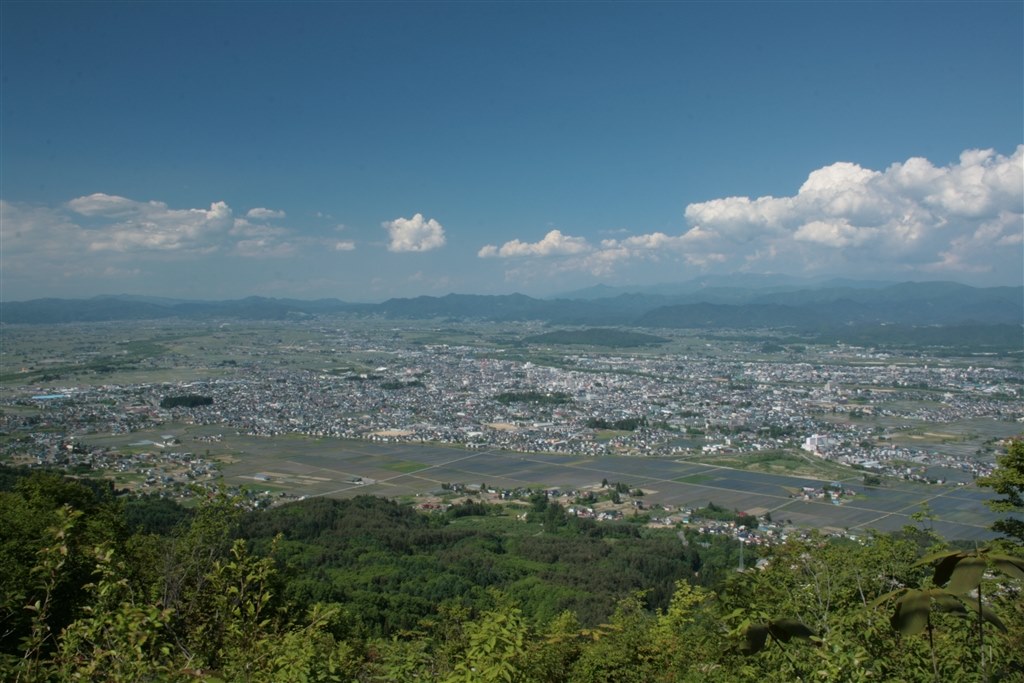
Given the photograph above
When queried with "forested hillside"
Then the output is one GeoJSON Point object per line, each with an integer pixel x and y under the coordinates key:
{"type": "Point", "coordinates": [99, 587]}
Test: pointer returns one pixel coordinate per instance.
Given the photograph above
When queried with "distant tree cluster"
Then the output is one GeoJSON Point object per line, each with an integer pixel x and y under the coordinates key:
{"type": "Point", "coordinates": [872, 479]}
{"type": "Point", "coordinates": [1008, 481]}
{"type": "Point", "coordinates": [628, 424]}
{"type": "Point", "coordinates": [721, 514]}
{"type": "Point", "coordinates": [397, 385]}
{"type": "Point", "coordinates": [778, 431]}
{"type": "Point", "coordinates": [186, 401]}
{"type": "Point", "coordinates": [468, 508]}
{"type": "Point", "coordinates": [617, 486]}
{"type": "Point", "coordinates": [541, 398]}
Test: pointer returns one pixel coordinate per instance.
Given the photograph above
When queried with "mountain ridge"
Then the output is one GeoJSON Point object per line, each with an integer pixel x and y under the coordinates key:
{"type": "Point", "coordinates": [907, 303]}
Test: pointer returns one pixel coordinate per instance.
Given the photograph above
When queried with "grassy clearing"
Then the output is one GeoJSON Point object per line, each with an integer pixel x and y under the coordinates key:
{"type": "Point", "coordinates": [609, 434]}
{"type": "Point", "coordinates": [404, 466]}
{"type": "Point", "coordinates": [695, 479]}
{"type": "Point", "coordinates": [506, 522]}
{"type": "Point", "coordinates": [783, 462]}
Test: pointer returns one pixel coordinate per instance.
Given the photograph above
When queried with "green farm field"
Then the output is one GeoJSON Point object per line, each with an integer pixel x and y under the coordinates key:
{"type": "Point", "coordinates": [306, 466]}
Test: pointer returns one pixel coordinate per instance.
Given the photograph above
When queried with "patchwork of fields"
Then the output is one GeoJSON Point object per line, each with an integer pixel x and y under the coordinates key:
{"type": "Point", "coordinates": [339, 468]}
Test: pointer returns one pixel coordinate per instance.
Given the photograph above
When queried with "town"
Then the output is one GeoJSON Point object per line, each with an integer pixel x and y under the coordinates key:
{"type": "Point", "coordinates": [829, 412]}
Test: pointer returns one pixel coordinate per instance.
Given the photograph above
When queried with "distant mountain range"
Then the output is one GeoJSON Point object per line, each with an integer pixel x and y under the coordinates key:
{"type": "Point", "coordinates": [127, 307]}
{"type": "Point", "coordinates": [709, 303]}
{"type": "Point", "coordinates": [725, 288]}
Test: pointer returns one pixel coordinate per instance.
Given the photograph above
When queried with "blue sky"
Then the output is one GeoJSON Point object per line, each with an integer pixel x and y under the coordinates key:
{"type": "Point", "coordinates": [363, 151]}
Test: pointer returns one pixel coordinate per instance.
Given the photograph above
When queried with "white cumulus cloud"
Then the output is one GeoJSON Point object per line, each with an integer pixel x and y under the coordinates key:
{"type": "Point", "coordinates": [911, 218]}
{"type": "Point", "coordinates": [149, 226]}
{"type": "Point", "coordinates": [836, 233]}
{"type": "Point", "coordinates": [110, 206]}
{"type": "Point", "coordinates": [102, 236]}
{"type": "Point", "coordinates": [552, 244]}
{"type": "Point", "coordinates": [740, 217]}
{"type": "Point", "coordinates": [414, 234]}
{"type": "Point", "coordinates": [261, 214]}
{"type": "Point", "coordinates": [911, 213]}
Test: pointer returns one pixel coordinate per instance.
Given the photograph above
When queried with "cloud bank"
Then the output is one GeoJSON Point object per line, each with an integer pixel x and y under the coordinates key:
{"type": "Point", "coordinates": [913, 218]}
{"type": "Point", "coordinates": [109, 225]}
{"type": "Point", "coordinates": [101, 238]}
{"type": "Point", "coordinates": [148, 226]}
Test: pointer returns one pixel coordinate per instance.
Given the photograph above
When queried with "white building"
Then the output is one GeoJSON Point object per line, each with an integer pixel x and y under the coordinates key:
{"type": "Point", "coordinates": [818, 443]}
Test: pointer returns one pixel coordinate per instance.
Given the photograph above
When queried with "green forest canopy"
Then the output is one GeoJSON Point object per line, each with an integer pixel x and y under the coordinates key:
{"type": "Point", "coordinates": [99, 587]}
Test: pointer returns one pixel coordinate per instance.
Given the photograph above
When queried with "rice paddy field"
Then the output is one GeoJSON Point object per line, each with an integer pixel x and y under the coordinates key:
{"type": "Point", "coordinates": [306, 466]}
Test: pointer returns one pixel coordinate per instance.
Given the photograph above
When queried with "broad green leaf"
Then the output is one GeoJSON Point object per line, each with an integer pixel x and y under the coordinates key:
{"type": "Point", "coordinates": [756, 636]}
{"type": "Point", "coordinates": [787, 629]}
{"type": "Point", "coordinates": [932, 558]}
{"type": "Point", "coordinates": [967, 574]}
{"type": "Point", "coordinates": [911, 615]}
{"type": "Point", "coordinates": [944, 601]}
{"type": "Point", "coordinates": [1011, 566]}
{"type": "Point", "coordinates": [944, 569]}
{"type": "Point", "coordinates": [986, 614]}
{"type": "Point", "coordinates": [882, 599]}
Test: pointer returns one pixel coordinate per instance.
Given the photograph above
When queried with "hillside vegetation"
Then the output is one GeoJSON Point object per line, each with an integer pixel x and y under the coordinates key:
{"type": "Point", "coordinates": [99, 588]}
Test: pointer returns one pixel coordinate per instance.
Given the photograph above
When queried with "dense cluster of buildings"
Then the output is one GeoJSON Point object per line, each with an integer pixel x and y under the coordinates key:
{"type": "Point", "coordinates": [474, 396]}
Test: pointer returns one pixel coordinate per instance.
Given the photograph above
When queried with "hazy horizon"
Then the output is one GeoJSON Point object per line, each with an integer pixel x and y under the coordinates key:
{"type": "Point", "coordinates": [687, 287]}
